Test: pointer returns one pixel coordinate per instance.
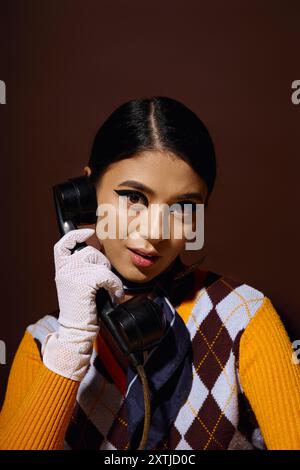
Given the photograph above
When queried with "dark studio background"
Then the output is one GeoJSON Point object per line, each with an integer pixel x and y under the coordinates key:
{"type": "Point", "coordinates": [68, 64]}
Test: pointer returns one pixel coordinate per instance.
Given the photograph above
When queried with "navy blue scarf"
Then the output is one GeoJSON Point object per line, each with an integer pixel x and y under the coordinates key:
{"type": "Point", "coordinates": [169, 373]}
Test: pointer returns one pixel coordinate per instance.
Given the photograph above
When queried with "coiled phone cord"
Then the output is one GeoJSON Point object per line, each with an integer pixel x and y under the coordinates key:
{"type": "Point", "coordinates": [147, 407]}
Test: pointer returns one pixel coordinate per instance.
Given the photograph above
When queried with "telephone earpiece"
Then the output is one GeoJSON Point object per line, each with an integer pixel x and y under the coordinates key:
{"type": "Point", "coordinates": [75, 203]}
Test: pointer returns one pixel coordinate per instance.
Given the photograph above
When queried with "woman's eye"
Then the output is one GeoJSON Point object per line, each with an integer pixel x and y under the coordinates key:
{"type": "Point", "coordinates": [134, 197]}
{"type": "Point", "coordinates": [187, 207]}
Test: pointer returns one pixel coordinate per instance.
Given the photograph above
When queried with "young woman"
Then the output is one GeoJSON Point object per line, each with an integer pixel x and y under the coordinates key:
{"type": "Point", "coordinates": [222, 376]}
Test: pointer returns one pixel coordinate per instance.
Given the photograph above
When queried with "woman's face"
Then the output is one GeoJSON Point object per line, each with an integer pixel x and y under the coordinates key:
{"type": "Point", "coordinates": [165, 178]}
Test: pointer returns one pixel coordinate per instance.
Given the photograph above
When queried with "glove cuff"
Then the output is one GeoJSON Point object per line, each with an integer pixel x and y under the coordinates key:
{"type": "Point", "coordinates": [68, 356]}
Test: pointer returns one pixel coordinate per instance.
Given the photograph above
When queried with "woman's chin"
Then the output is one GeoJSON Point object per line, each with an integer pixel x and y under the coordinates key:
{"type": "Point", "coordinates": [135, 274]}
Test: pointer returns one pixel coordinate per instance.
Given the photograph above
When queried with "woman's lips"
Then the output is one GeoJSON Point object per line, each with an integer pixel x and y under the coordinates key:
{"type": "Point", "coordinates": [140, 260]}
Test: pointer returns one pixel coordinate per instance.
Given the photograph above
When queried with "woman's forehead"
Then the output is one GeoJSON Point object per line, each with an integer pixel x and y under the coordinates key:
{"type": "Point", "coordinates": [160, 171]}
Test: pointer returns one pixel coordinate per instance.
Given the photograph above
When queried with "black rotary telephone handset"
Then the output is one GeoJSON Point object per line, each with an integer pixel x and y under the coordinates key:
{"type": "Point", "coordinates": [134, 326]}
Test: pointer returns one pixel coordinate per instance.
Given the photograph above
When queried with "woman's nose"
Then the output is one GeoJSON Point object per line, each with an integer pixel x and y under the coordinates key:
{"type": "Point", "coordinates": [155, 223]}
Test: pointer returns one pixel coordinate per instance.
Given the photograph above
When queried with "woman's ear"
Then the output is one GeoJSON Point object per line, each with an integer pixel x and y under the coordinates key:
{"type": "Point", "coordinates": [87, 171]}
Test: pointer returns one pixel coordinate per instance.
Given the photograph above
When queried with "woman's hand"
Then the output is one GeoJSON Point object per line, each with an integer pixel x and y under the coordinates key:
{"type": "Point", "coordinates": [78, 276]}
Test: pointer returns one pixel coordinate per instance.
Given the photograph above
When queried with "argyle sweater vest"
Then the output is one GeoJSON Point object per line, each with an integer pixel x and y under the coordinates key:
{"type": "Point", "coordinates": [216, 414]}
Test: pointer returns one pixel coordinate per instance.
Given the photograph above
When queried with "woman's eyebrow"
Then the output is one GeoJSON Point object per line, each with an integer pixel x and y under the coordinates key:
{"type": "Point", "coordinates": [138, 185]}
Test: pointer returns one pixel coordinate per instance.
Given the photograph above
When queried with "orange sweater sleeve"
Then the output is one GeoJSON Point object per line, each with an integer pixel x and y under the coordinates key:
{"type": "Point", "coordinates": [38, 403]}
{"type": "Point", "coordinates": [270, 379]}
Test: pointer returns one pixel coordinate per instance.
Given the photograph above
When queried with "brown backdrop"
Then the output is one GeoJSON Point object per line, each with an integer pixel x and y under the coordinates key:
{"type": "Point", "coordinates": [68, 63]}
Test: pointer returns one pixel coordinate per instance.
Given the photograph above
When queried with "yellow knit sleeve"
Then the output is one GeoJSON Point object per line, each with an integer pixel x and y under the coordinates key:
{"type": "Point", "coordinates": [20, 378]}
{"type": "Point", "coordinates": [38, 403]}
{"type": "Point", "coordinates": [270, 379]}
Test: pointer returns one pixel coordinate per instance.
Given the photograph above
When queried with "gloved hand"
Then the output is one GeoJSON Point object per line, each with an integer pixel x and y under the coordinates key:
{"type": "Point", "coordinates": [78, 276]}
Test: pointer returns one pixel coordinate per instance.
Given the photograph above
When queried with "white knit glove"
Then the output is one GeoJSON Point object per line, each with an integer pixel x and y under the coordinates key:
{"type": "Point", "coordinates": [78, 276]}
